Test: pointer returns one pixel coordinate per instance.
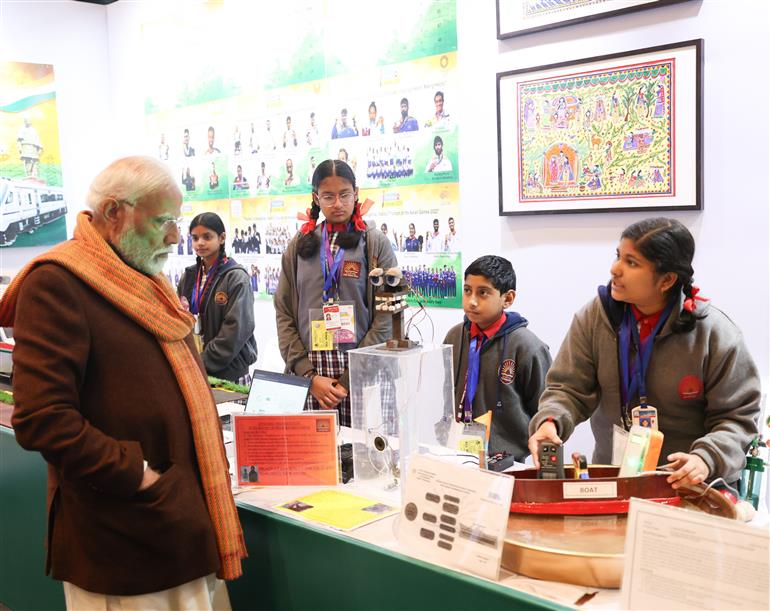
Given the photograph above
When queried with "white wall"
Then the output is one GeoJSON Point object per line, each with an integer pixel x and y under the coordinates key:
{"type": "Point", "coordinates": [559, 259]}
{"type": "Point", "coordinates": [73, 37]}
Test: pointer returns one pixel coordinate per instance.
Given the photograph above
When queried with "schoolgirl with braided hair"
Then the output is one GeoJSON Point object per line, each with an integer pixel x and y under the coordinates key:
{"type": "Point", "coordinates": [217, 291]}
{"type": "Point", "coordinates": [648, 339]}
{"type": "Point", "coordinates": [328, 262]}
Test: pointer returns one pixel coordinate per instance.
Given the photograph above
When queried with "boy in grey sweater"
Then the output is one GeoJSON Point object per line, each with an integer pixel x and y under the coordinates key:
{"type": "Point", "coordinates": [499, 364]}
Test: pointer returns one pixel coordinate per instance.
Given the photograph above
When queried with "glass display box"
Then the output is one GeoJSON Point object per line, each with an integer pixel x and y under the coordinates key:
{"type": "Point", "coordinates": [401, 403]}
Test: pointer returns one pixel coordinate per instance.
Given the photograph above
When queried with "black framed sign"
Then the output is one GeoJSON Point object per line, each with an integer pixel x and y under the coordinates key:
{"type": "Point", "coordinates": [519, 17]}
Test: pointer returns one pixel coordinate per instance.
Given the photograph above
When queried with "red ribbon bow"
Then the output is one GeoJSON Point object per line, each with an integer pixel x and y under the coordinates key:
{"type": "Point", "coordinates": [358, 223]}
{"type": "Point", "coordinates": [309, 226]}
{"type": "Point", "coordinates": [690, 304]}
{"type": "Point", "coordinates": [356, 218]}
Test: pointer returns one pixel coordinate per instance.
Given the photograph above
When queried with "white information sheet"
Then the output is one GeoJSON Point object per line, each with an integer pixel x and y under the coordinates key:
{"type": "Point", "coordinates": [455, 515]}
{"type": "Point", "coordinates": [680, 559]}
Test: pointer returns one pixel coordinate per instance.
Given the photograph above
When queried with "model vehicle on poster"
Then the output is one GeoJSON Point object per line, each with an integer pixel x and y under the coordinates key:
{"type": "Point", "coordinates": [26, 205]}
{"type": "Point", "coordinates": [6, 352]}
{"type": "Point", "coordinates": [6, 339]}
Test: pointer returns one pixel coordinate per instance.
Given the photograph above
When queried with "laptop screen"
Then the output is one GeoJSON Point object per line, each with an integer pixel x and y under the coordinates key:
{"type": "Point", "coordinates": [276, 393]}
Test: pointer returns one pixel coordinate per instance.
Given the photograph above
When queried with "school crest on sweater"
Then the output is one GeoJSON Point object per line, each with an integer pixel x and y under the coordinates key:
{"type": "Point", "coordinates": [507, 371]}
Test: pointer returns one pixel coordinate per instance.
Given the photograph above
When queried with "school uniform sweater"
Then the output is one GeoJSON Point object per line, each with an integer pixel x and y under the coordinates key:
{"type": "Point", "coordinates": [227, 320]}
{"type": "Point", "coordinates": [512, 368]}
{"type": "Point", "coordinates": [703, 383]}
{"type": "Point", "coordinates": [292, 322]}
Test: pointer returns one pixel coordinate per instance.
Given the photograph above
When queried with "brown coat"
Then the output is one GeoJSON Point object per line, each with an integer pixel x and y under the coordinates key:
{"type": "Point", "coordinates": [96, 396]}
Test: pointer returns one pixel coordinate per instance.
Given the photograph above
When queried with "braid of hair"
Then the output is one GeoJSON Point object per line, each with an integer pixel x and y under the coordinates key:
{"type": "Point", "coordinates": [685, 322]}
{"type": "Point", "coordinates": [350, 239]}
{"type": "Point", "coordinates": [308, 242]}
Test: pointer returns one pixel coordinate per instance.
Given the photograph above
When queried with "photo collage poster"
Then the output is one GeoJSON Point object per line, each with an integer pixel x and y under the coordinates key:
{"type": "Point", "coordinates": [243, 102]}
{"type": "Point", "coordinates": [31, 194]}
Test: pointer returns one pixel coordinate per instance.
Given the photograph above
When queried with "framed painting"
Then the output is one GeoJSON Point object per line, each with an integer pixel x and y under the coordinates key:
{"type": "Point", "coordinates": [618, 132]}
{"type": "Point", "coordinates": [519, 17]}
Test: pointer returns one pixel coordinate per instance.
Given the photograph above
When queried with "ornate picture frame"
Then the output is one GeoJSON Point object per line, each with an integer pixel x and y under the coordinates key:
{"type": "Point", "coordinates": [619, 132]}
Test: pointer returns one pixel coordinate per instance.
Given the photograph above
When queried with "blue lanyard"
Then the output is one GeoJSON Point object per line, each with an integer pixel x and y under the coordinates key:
{"type": "Point", "coordinates": [633, 375]}
{"type": "Point", "coordinates": [330, 266]}
{"type": "Point", "coordinates": [196, 299]}
{"type": "Point", "coordinates": [472, 377]}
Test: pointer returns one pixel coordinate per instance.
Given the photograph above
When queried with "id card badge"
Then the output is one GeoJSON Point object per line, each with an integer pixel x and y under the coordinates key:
{"type": "Point", "coordinates": [646, 417]}
{"type": "Point", "coordinates": [346, 334]}
{"type": "Point", "coordinates": [197, 337]}
{"type": "Point", "coordinates": [320, 338]}
{"type": "Point", "coordinates": [331, 316]}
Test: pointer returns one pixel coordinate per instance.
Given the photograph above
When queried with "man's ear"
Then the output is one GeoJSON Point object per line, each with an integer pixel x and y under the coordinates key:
{"type": "Point", "coordinates": [508, 298]}
{"type": "Point", "coordinates": [110, 211]}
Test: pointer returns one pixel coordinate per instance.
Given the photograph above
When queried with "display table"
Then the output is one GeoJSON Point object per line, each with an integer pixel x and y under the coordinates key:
{"type": "Point", "coordinates": [291, 565]}
{"type": "Point", "coordinates": [308, 566]}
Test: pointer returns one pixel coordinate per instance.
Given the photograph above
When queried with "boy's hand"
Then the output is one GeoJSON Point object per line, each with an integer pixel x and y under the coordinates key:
{"type": "Point", "coordinates": [546, 432]}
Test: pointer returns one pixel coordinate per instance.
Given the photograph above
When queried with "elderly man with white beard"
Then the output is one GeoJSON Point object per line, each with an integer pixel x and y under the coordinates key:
{"type": "Point", "coordinates": [110, 390]}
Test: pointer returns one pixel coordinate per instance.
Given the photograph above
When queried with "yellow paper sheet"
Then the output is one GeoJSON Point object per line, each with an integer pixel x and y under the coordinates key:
{"type": "Point", "coordinates": [337, 509]}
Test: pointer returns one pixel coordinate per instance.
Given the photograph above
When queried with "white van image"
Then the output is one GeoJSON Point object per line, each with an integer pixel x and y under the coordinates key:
{"type": "Point", "coordinates": [26, 205]}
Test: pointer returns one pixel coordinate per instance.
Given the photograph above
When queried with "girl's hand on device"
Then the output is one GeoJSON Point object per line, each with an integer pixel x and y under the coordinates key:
{"type": "Point", "coordinates": [546, 432]}
{"type": "Point", "coordinates": [688, 469]}
{"type": "Point", "coordinates": [327, 391]}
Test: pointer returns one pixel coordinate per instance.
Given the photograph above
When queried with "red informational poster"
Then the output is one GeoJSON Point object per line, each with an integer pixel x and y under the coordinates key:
{"type": "Point", "coordinates": [286, 450]}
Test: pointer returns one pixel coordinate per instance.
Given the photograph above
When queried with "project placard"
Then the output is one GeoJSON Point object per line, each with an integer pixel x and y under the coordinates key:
{"type": "Point", "coordinates": [454, 515]}
{"type": "Point", "coordinates": [679, 559]}
{"type": "Point", "coordinates": [286, 450]}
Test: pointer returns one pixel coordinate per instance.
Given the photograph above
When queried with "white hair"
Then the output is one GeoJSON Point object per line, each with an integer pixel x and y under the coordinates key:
{"type": "Point", "coordinates": [129, 179]}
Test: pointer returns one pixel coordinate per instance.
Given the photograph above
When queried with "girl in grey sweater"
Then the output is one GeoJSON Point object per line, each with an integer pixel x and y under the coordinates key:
{"type": "Point", "coordinates": [647, 338]}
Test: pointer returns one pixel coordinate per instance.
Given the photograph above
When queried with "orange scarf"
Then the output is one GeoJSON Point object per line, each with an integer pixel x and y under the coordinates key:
{"type": "Point", "coordinates": [152, 304]}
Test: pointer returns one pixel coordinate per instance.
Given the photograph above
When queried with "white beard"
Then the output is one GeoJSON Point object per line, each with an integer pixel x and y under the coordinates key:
{"type": "Point", "coordinates": [134, 250]}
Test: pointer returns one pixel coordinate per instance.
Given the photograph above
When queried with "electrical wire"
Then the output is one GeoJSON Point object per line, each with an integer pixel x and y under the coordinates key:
{"type": "Point", "coordinates": [423, 312]}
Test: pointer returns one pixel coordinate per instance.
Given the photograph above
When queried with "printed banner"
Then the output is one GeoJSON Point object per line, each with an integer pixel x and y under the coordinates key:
{"type": "Point", "coordinates": [31, 198]}
{"type": "Point", "coordinates": [246, 120]}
